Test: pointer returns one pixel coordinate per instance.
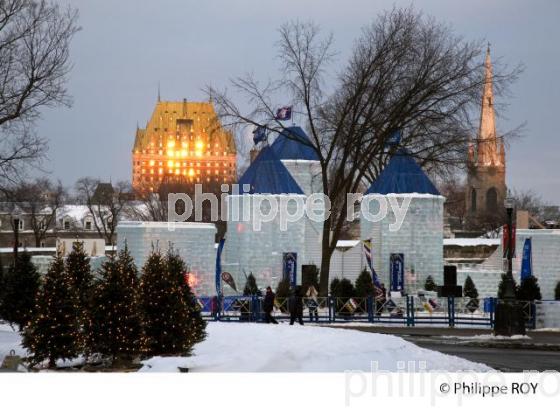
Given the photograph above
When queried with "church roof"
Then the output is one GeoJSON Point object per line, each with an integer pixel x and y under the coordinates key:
{"type": "Point", "coordinates": [291, 144]}
{"type": "Point", "coordinates": [402, 175]}
{"type": "Point", "coordinates": [267, 175]}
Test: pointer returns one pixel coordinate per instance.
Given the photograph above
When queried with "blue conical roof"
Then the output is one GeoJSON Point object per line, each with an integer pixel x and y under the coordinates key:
{"type": "Point", "coordinates": [291, 144]}
{"type": "Point", "coordinates": [267, 175]}
{"type": "Point", "coordinates": [402, 175]}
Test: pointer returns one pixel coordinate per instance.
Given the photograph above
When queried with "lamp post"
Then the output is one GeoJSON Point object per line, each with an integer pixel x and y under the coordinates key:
{"type": "Point", "coordinates": [509, 312]}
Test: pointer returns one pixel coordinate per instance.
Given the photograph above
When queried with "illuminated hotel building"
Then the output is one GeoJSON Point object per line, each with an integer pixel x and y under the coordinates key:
{"type": "Point", "coordinates": [182, 142]}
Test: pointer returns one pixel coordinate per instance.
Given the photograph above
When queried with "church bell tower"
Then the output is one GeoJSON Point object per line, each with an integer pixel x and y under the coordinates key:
{"type": "Point", "coordinates": [486, 178]}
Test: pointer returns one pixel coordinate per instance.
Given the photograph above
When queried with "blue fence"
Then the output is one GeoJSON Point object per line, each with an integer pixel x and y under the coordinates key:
{"type": "Point", "coordinates": [405, 311]}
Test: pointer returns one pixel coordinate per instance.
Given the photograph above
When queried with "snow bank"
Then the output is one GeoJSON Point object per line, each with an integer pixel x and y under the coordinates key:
{"type": "Point", "coordinates": [237, 347]}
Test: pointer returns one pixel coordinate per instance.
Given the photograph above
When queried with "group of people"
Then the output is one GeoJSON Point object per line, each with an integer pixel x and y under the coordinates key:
{"type": "Point", "coordinates": [295, 304]}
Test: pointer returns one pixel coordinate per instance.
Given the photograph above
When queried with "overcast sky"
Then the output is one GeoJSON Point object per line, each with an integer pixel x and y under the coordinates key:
{"type": "Point", "coordinates": [126, 47]}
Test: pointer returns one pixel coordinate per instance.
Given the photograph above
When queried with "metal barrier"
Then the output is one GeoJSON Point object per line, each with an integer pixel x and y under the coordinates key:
{"type": "Point", "coordinates": [405, 311]}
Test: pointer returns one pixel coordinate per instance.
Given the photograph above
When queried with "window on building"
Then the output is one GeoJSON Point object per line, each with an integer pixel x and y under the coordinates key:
{"type": "Point", "coordinates": [492, 200]}
{"type": "Point", "coordinates": [87, 225]}
{"type": "Point", "coordinates": [66, 224]}
{"type": "Point", "coordinates": [473, 200]}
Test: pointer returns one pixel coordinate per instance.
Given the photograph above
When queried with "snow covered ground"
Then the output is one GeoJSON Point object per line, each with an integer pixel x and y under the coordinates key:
{"type": "Point", "coordinates": [250, 347]}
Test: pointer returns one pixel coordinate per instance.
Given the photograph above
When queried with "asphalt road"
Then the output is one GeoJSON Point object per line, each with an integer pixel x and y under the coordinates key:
{"type": "Point", "coordinates": [505, 360]}
{"type": "Point", "coordinates": [540, 352]}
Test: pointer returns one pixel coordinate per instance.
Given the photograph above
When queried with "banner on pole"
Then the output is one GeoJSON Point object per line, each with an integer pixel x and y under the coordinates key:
{"type": "Point", "coordinates": [289, 263]}
{"type": "Point", "coordinates": [527, 261]}
{"type": "Point", "coordinates": [397, 272]}
{"type": "Point", "coordinates": [219, 267]}
{"type": "Point", "coordinates": [369, 260]}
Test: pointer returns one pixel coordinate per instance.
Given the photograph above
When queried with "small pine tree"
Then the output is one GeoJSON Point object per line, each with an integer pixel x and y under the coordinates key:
{"type": "Point", "coordinates": [469, 289]}
{"type": "Point", "coordinates": [116, 323]}
{"type": "Point", "coordinates": [251, 287]}
{"type": "Point", "coordinates": [283, 289]}
{"type": "Point", "coordinates": [502, 287]}
{"type": "Point", "coordinates": [364, 285]}
{"type": "Point", "coordinates": [430, 284]}
{"type": "Point", "coordinates": [310, 278]}
{"type": "Point", "coordinates": [20, 286]}
{"type": "Point", "coordinates": [529, 289]}
{"type": "Point", "coordinates": [55, 331]}
{"type": "Point", "coordinates": [178, 272]}
{"type": "Point", "coordinates": [79, 269]}
{"type": "Point", "coordinates": [557, 291]}
{"type": "Point", "coordinates": [166, 316]}
{"type": "Point", "coordinates": [342, 288]}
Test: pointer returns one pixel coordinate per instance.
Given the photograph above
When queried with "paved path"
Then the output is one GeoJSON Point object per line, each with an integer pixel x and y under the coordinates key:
{"type": "Point", "coordinates": [541, 351]}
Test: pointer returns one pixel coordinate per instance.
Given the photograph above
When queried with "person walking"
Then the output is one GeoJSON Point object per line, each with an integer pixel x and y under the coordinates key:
{"type": "Point", "coordinates": [295, 305]}
{"type": "Point", "coordinates": [312, 303]}
{"type": "Point", "coordinates": [268, 306]}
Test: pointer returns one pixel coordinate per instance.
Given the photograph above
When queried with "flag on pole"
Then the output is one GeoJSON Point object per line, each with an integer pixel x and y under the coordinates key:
{"type": "Point", "coordinates": [527, 261]}
{"type": "Point", "coordinates": [219, 267]}
{"type": "Point", "coordinates": [505, 241]}
{"type": "Point", "coordinates": [284, 113]}
{"type": "Point", "coordinates": [259, 134]}
{"type": "Point", "coordinates": [227, 278]}
{"type": "Point", "coordinates": [367, 252]}
{"type": "Point", "coordinates": [394, 138]}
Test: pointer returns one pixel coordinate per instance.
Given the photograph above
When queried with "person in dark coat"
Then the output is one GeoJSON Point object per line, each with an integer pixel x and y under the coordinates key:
{"type": "Point", "coordinates": [295, 306]}
{"type": "Point", "coordinates": [268, 306]}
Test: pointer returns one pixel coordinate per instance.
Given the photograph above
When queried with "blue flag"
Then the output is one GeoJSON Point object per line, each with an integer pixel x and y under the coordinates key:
{"type": "Point", "coordinates": [527, 261]}
{"type": "Point", "coordinates": [284, 113]}
{"type": "Point", "coordinates": [394, 138]}
{"type": "Point", "coordinates": [219, 267]}
{"type": "Point", "coordinates": [259, 134]}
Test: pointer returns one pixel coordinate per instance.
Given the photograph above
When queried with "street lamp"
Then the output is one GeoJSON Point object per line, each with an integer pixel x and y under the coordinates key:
{"type": "Point", "coordinates": [509, 318]}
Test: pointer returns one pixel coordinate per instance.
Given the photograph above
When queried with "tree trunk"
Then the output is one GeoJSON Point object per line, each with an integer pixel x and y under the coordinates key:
{"type": "Point", "coordinates": [325, 260]}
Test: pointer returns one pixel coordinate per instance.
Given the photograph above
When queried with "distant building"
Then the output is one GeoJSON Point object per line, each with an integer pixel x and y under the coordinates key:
{"type": "Point", "coordinates": [182, 142]}
{"type": "Point", "coordinates": [486, 178]}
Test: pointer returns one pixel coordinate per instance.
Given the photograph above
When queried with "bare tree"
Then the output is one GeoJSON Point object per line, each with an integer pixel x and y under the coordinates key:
{"type": "Point", "coordinates": [406, 72]}
{"type": "Point", "coordinates": [39, 201]}
{"type": "Point", "coordinates": [106, 203]}
{"type": "Point", "coordinates": [35, 38]}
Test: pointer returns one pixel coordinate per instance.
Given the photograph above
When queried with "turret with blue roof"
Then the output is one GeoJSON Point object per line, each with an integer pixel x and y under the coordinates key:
{"type": "Point", "coordinates": [294, 148]}
{"type": "Point", "coordinates": [268, 175]}
{"type": "Point", "coordinates": [402, 176]}
{"type": "Point", "coordinates": [409, 228]}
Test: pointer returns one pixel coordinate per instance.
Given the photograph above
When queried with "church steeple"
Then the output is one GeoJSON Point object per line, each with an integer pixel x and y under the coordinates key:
{"type": "Point", "coordinates": [486, 183]}
{"type": "Point", "coordinates": [489, 146]}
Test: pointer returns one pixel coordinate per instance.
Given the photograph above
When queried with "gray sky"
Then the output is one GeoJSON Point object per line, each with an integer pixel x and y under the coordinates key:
{"type": "Point", "coordinates": [127, 46]}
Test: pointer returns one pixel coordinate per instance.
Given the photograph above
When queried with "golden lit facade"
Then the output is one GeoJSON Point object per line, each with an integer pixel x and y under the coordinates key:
{"type": "Point", "coordinates": [183, 142]}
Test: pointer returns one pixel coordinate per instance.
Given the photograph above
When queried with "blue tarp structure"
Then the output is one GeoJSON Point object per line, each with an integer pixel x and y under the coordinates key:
{"type": "Point", "coordinates": [402, 175]}
{"type": "Point", "coordinates": [291, 144]}
{"type": "Point", "coordinates": [267, 175]}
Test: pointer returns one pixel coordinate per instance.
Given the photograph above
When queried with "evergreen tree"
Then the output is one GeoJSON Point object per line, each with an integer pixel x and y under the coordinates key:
{"type": "Point", "coordinates": [557, 291]}
{"type": "Point", "coordinates": [342, 288]}
{"type": "Point", "coordinates": [310, 278]}
{"type": "Point", "coordinates": [166, 316]}
{"type": "Point", "coordinates": [178, 271]}
{"type": "Point", "coordinates": [283, 288]}
{"type": "Point", "coordinates": [55, 331]}
{"type": "Point", "coordinates": [502, 288]}
{"type": "Point", "coordinates": [251, 287]}
{"type": "Point", "coordinates": [529, 289]}
{"type": "Point", "coordinates": [79, 270]}
{"type": "Point", "coordinates": [430, 284]}
{"type": "Point", "coordinates": [116, 322]}
{"type": "Point", "coordinates": [469, 289]}
{"type": "Point", "coordinates": [364, 285]}
{"type": "Point", "coordinates": [20, 286]}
